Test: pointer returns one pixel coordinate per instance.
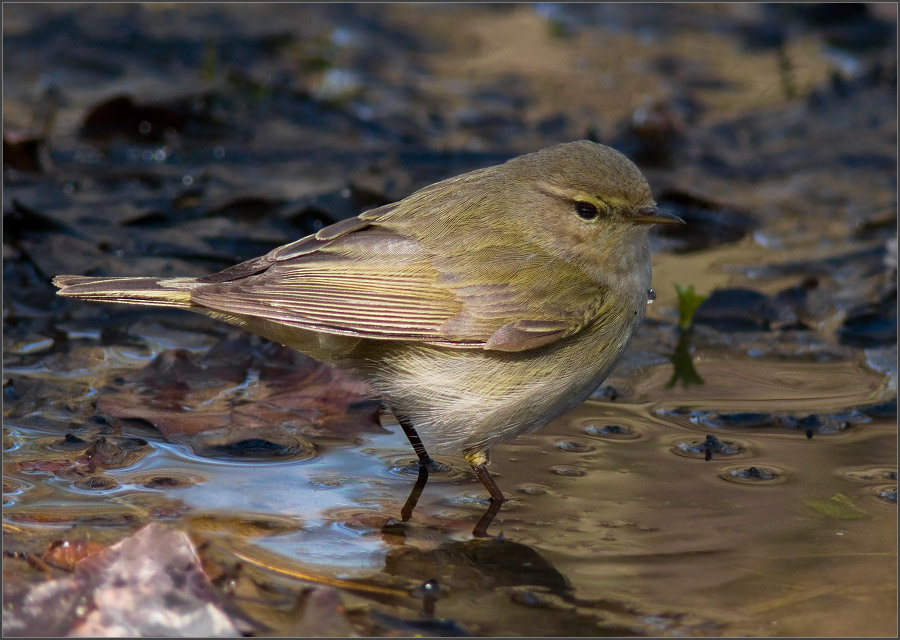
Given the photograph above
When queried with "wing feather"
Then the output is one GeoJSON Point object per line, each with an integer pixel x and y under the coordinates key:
{"type": "Point", "coordinates": [379, 276]}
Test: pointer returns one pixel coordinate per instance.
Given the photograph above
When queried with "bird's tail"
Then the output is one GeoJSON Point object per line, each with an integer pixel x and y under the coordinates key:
{"type": "Point", "coordinates": [161, 292]}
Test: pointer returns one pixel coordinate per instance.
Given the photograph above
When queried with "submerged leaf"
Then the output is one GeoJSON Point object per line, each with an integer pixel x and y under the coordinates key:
{"type": "Point", "coordinates": [837, 506]}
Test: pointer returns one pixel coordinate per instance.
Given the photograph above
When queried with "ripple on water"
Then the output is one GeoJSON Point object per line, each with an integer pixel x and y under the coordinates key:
{"type": "Point", "coordinates": [357, 521]}
{"type": "Point", "coordinates": [567, 471]}
{"type": "Point", "coordinates": [810, 424]}
{"type": "Point", "coordinates": [10, 441]}
{"type": "Point", "coordinates": [887, 494]}
{"type": "Point", "coordinates": [574, 446]}
{"type": "Point", "coordinates": [13, 488]}
{"type": "Point", "coordinates": [882, 482]}
{"type": "Point", "coordinates": [479, 499]}
{"type": "Point", "coordinates": [246, 525]}
{"type": "Point", "coordinates": [95, 514]}
{"type": "Point", "coordinates": [165, 479]}
{"type": "Point", "coordinates": [69, 442]}
{"type": "Point", "coordinates": [330, 481]}
{"type": "Point", "coordinates": [280, 447]}
{"type": "Point", "coordinates": [532, 489]}
{"type": "Point", "coordinates": [758, 475]}
{"type": "Point", "coordinates": [612, 431]}
{"type": "Point", "coordinates": [96, 483]}
{"type": "Point", "coordinates": [871, 474]}
{"type": "Point", "coordinates": [440, 471]}
{"type": "Point", "coordinates": [740, 385]}
{"type": "Point", "coordinates": [711, 447]}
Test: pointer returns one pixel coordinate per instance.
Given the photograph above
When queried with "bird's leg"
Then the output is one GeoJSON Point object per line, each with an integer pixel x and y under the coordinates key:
{"type": "Point", "coordinates": [479, 461]}
{"type": "Point", "coordinates": [425, 461]}
{"type": "Point", "coordinates": [414, 440]}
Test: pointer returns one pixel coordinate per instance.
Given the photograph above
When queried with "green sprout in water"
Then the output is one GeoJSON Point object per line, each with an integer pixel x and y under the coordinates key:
{"type": "Point", "coordinates": [210, 61]}
{"type": "Point", "coordinates": [682, 363]}
{"type": "Point", "coordinates": [688, 301]}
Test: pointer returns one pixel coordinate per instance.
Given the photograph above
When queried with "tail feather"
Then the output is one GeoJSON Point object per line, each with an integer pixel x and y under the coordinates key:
{"type": "Point", "coordinates": [163, 292]}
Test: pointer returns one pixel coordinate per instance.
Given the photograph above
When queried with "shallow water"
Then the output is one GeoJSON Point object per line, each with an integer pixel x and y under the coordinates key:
{"type": "Point", "coordinates": [616, 497]}
{"type": "Point", "coordinates": [752, 494]}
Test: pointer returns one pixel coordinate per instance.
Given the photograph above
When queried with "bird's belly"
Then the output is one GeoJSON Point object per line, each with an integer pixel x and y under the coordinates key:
{"type": "Point", "coordinates": [469, 400]}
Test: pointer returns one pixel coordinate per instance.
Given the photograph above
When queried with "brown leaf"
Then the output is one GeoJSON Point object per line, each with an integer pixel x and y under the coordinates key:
{"type": "Point", "coordinates": [183, 394]}
{"type": "Point", "coordinates": [65, 554]}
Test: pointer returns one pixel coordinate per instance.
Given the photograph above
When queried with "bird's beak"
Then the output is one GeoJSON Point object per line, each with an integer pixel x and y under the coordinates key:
{"type": "Point", "coordinates": [653, 215]}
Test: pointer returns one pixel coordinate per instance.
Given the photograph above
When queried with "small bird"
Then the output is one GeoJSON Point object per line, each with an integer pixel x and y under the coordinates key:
{"type": "Point", "coordinates": [480, 307]}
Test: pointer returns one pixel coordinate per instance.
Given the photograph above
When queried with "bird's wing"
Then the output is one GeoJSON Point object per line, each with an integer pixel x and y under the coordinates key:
{"type": "Point", "coordinates": [363, 279]}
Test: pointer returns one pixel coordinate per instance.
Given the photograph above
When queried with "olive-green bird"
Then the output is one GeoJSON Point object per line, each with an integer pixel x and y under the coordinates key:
{"type": "Point", "coordinates": [480, 307]}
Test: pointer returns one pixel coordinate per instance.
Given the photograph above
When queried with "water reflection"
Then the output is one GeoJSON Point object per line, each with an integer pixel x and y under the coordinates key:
{"type": "Point", "coordinates": [597, 510]}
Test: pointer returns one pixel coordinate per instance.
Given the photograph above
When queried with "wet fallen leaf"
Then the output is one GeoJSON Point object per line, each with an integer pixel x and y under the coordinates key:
{"type": "Point", "coordinates": [184, 394]}
{"type": "Point", "coordinates": [123, 116]}
{"type": "Point", "coordinates": [66, 554]}
{"type": "Point", "coordinates": [22, 153]}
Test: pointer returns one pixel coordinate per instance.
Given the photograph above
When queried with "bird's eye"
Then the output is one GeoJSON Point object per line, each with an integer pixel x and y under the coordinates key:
{"type": "Point", "coordinates": [586, 210]}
